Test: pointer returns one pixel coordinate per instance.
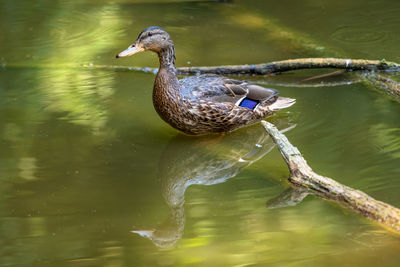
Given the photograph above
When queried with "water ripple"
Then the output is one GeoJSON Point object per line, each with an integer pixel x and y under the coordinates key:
{"type": "Point", "coordinates": [358, 35]}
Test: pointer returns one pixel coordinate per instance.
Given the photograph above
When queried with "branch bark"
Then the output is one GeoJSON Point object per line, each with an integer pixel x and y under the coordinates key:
{"type": "Point", "coordinates": [273, 67]}
{"type": "Point", "coordinates": [301, 175]}
{"type": "Point", "coordinates": [295, 64]}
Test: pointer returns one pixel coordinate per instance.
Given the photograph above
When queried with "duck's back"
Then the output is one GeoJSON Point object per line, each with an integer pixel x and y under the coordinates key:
{"type": "Point", "coordinates": [212, 88]}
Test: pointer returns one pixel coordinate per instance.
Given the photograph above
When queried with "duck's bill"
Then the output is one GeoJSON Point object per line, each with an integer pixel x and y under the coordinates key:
{"type": "Point", "coordinates": [144, 233]}
{"type": "Point", "coordinates": [129, 51]}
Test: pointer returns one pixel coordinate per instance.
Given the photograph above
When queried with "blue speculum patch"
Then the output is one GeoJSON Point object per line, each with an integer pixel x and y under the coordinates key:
{"type": "Point", "coordinates": [248, 103]}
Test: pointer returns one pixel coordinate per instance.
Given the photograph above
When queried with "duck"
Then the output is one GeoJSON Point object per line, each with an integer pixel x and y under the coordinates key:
{"type": "Point", "coordinates": [207, 103]}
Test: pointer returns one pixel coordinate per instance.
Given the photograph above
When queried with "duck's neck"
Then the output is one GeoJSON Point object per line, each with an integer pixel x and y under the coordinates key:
{"type": "Point", "coordinates": [167, 58]}
{"type": "Point", "coordinates": [166, 85]}
{"type": "Point", "coordinates": [166, 80]}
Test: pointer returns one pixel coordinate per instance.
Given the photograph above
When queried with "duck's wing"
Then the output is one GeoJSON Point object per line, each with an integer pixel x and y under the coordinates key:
{"type": "Point", "coordinates": [221, 89]}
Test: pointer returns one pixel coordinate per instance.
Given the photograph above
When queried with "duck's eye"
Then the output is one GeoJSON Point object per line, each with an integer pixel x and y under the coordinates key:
{"type": "Point", "coordinates": [150, 34]}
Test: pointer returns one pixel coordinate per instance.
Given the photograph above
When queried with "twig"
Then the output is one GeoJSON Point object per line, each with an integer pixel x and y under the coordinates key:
{"type": "Point", "coordinates": [302, 175]}
{"type": "Point", "coordinates": [326, 75]}
{"type": "Point", "coordinates": [308, 85]}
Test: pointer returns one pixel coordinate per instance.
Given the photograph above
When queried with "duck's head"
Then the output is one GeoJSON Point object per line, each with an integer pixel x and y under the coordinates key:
{"type": "Point", "coordinates": [152, 38]}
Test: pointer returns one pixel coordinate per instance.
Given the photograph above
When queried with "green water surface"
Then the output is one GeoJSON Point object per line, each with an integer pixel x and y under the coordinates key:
{"type": "Point", "coordinates": [85, 159]}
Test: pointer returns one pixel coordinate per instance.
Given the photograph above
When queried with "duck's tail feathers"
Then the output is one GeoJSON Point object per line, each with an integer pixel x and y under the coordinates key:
{"type": "Point", "coordinates": [281, 103]}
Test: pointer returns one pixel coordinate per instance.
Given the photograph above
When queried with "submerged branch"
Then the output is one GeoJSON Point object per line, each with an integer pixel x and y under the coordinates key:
{"type": "Point", "coordinates": [301, 175]}
{"type": "Point", "coordinates": [388, 85]}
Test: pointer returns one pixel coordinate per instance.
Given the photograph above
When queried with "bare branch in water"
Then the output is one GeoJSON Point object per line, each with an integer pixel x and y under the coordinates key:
{"type": "Point", "coordinates": [303, 177]}
{"type": "Point", "coordinates": [295, 64]}
{"type": "Point", "coordinates": [273, 67]}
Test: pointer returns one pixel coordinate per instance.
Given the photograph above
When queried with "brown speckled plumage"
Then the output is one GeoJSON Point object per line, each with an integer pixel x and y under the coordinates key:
{"type": "Point", "coordinates": [206, 103]}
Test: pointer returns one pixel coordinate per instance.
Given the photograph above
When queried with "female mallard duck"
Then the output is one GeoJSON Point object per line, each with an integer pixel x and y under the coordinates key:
{"type": "Point", "coordinates": [205, 103]}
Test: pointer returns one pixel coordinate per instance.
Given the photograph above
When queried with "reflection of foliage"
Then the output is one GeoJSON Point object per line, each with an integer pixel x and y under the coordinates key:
{"type": "Point", "coordinates": [62, 37]}
{"type": "Point", "coordinates": [72, 90]}
{"type": "Point", "coordinates": [74, 37]}
{"type": "Point", "coordinates": [79, 94]}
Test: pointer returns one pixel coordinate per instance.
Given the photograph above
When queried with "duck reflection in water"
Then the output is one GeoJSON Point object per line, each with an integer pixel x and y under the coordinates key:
{"type": "Point", "coordinates": [204, 161]}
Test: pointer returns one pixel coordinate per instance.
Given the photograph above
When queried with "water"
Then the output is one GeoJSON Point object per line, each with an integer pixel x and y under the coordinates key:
{"type": "Point", "coordinates": [85, 159]}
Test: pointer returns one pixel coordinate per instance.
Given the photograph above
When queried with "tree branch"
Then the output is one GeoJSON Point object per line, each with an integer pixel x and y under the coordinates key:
{"type": "Point", "coordinates": [301, 175]}
{"type": "Point", "coordinates": [386, 84]}
{"type": "Point", "coordinates": [295, 64]}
